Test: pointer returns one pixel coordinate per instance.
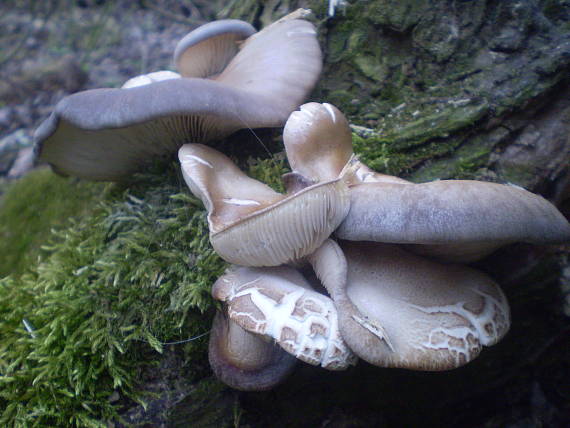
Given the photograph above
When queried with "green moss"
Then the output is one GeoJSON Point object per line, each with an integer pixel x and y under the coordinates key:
{"type": "Point", "coordinates": [134, 271]}
{"type": "Point", "coordinates": [31, 207]}
{"type": "Point", "coordinates": [518, 174]}
{"type": "Point", "coordinates": [400, 16]}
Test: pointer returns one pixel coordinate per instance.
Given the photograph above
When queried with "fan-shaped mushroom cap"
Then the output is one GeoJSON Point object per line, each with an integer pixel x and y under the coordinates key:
{"type": "Point", "coordinates": [107, 134]}
{"type": "Point", "coordinates": [318, 141]}
{"type": "Point", "coordinates": [471, 217]}
{"type": "Point", "coordinates": [244, 360]}
{"type": "Point", "coordinates": [281, 64]}
{"type": "Point", "coordinates": [434, 317]}
{"type": "Point", "coordinates": [252, 225]}
{"type": "Point", "coordinates": [279, 303]}
{"type": "Point", "coordinates": [206, 51]}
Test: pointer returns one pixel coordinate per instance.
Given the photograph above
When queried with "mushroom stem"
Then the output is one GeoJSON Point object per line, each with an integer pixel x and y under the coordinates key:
{"type": "Point", "coordinates": [246, 361]}
{"type": "Point", "coordinates": [330, 266]}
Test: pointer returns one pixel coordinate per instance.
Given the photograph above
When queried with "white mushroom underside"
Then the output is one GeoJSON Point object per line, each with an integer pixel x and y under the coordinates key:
{"type": "Point", "coordinates": [210, 57]}
{"type": "Point", "coordinates": [125, 150]}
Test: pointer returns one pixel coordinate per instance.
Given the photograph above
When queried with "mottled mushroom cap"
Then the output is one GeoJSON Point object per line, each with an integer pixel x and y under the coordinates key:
{"type": "Point", "coordinates": [277, 302]}
{"type": "Point", "coordinates": [251, 224]}
{"type": "Point", "coordinates": [205, 51]}
{"type": "Point", "coordinates": [458, 220]}
{"type": "Point", "coordinates": [107, 134]}
{"type": "Point", "coordinates": [434, 316]}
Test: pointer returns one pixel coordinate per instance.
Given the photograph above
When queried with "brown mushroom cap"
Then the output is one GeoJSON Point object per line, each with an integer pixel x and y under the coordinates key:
{"type": "Point", "coordinates": [252, 225]}
{"type": "Point", "coordinates": [107, 134]}
{"type": "Point", "coordinates": [414, 313]}
{"type": "Point", "coordinates": [206, 51]}
{"type": "Point", "coordinates": [278, 302]}
{"type": "Point", "coordinates": [244, 360]}
{"type": "Point", "coordinates": [318, 142]}
{"type": "Point", "coordinates": [471, 217]}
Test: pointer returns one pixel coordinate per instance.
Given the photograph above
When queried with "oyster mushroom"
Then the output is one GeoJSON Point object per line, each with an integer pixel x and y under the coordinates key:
{"type": "Point", "coordinates": [251, 224]}
{"type": "Point", "coordinates": [107, 134]}
{"type": "Point", "coordinates": [398, 309]}
{"type": "Point", "coordinates": [455, 220]}
{"type": "Point", "coordinates": [207, 50]}
{"type": "Point", "coordinates": [244, 360]}
{"type": "Point", "coordinates": [278, 303]}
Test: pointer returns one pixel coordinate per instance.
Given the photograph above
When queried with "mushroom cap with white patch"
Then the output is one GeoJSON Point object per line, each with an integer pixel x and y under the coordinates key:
{"type": "Point", "coordinates": [107, 134]}
{"type": "Point", "coordinates": [277, 302]}
{"type": "Point", "coordinates": [412, 312]}
{"type": "Point", "coordinates": [246, 361]}
{"type": "Point", "coordinates": [205, 51]}
{"type": "Point", "coordinates": [457, 220]}
{"type": "Point", "coordinates": [251, 224]}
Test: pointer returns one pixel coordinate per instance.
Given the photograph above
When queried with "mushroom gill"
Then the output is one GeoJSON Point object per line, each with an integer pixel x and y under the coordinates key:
{"type": "Point", "coordinates": [107, 134]}
{"type": "Point", "coordinates": [244, 360]}
{"type": "Point", "coordinates": [251, 224]}
{"type": "Point", "coordinates": [207, 50]}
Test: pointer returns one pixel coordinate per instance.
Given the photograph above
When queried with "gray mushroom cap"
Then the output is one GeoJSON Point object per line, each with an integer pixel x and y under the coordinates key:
{"type": "Point", "coordinates": [206, 51]}
{"type": "Point", "coordinates": [106, 134]}
{"type": "Point", "coordinates": [461, 220]}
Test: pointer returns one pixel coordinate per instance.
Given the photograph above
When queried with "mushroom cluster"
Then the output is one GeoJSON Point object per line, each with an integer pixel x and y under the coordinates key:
{"type": "Point", "coordinates": [348, 263]}
{"type": "Point", "coordinates": [396, 295]}
{"type": "Point", "coordinates": [231, 77]}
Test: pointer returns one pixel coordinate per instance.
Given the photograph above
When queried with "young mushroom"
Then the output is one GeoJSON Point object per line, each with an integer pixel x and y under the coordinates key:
{"type": "Point", "coordinates": [244, 360]}
{"type": "Point", "coordinates": [278, 303]}
{"type": "Point", "coordinates": [397, 309]}
{"type": "Point", "coordinates": [267, 77]}
{"type": "Point", "coordinates": [251, 224]}
{"type": "Point", "coordinates": [455, 220]}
